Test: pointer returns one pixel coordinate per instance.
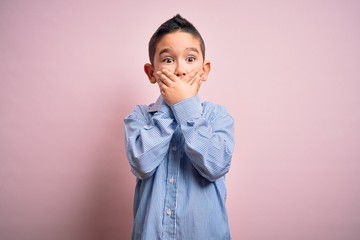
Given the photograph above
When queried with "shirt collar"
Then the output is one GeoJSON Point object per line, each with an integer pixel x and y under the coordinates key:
{"type": "Point", "coordinates": [159, 105]}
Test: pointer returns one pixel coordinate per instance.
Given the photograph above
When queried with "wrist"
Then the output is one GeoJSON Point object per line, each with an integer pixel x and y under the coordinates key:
{"type": "Point", "coordinates": [187, 109]}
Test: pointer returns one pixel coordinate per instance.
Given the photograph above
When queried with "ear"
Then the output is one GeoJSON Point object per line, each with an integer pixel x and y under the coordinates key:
{"type": "Point", "coordinates": [206, 69]}
{"type": "Point", "coordinates": [149, 71]}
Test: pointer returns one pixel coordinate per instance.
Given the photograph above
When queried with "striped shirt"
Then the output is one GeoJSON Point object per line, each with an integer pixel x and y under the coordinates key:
{"type": "Point", "coordinates": [180, 155]}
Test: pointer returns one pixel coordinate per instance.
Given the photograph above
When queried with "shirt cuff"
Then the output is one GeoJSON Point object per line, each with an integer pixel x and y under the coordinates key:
{"type": "Point", "coordinates": [187, 109]}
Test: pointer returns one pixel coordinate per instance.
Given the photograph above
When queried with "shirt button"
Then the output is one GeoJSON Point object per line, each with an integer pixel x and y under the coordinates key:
{"type": "Point", "coordinates": [172, 180]}
{"type": "Point", "coordinates": [168, 212]}
{"type": "Point", "coordinates": [174, 148]}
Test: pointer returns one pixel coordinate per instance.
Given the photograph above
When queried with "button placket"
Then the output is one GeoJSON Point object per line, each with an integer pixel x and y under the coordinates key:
{"type": "Point", "coordinates": [168, 212]}
{"type": "Point", "coordinates": [169, 222]}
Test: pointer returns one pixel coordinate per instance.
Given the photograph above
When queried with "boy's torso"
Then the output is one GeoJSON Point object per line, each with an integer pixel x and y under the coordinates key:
{"type": "Point", "coordinates": [177, 201]}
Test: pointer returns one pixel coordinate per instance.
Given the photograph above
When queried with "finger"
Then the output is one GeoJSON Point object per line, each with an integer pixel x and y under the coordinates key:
{"type": "Point", "coordinates": [190, 76]}
{"type": "Point", "coordinates": [193, 73]}
{"type": "Point", "coordinates": [164, 79]}
{"type": "Point", "coordinates": [162, 92]}
{"type": "Point", "coordinates": [202, 75]}
{"type": "Point", "coordinates": [195, 79]}
{"type": "Point", "coordinates": [162, 88]}
{"type": "Point", "coordinates": [158, 80]}
{"type": "Point", "coordinates": [198, 84]}
{"type": "Point", "coordinates": [170, 75]}
{"type": "Point", "coordinates": [161, 83]}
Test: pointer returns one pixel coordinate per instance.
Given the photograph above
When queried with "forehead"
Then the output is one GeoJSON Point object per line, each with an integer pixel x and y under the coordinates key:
{"type": "Point", "coordinates": [179, 41]}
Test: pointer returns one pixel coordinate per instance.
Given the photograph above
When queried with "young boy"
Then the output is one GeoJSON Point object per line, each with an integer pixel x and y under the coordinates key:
{"type": "Point", "coordinates": [179, 149]}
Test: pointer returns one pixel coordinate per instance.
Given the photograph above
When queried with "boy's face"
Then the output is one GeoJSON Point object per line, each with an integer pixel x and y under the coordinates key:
{"type": "Point", "coordinates": [180, 53]}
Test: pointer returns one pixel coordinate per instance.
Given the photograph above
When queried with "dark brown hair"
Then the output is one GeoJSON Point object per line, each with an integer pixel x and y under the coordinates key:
{"type": "Point", "coordinates": [177, 23]}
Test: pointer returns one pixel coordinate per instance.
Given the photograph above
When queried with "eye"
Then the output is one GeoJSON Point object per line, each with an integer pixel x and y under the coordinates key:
{"type": "Point", "coordinates": [190, 59]}
{"type": "Point", "coordinates": [168, 60]}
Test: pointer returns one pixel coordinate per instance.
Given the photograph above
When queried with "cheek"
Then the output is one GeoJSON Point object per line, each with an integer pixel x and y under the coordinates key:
{"type": "Point", "coordinates": [195, 67]}
{"type": "Point", "coordinates": [167, 67]}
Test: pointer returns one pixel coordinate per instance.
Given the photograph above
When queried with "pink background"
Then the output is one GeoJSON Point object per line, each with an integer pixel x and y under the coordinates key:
{"type": "Point", "coordinates": [288, 71]}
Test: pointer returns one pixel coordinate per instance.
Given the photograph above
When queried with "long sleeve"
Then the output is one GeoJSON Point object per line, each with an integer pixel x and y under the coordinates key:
{"type": "Point", "coordinates": [209, 136]}
{"type": "Point", "coordinates": [180, 155]}
{"type": "Point", "coordinates": [147, 139]}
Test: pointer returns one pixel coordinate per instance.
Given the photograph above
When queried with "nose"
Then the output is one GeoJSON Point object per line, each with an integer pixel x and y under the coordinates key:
{"type": "Point", "coordinates": [179, 71]}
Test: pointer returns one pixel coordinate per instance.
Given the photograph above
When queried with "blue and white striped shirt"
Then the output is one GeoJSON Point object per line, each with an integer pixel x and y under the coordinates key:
{"type": "Point", "coordinates": [180, 156]}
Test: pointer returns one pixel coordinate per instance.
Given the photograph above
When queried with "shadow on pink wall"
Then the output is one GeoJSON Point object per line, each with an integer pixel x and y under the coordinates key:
{"type": "Point", "coordinates": [110, 196]}
{"type": "Point", "coordinates": [110, 214]}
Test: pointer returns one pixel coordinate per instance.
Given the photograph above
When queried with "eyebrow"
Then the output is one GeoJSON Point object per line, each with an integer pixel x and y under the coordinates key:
{"type": "Point", "coordinates": [193, 49]}
{"type": "Point", "coordinates": [166, 50]}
